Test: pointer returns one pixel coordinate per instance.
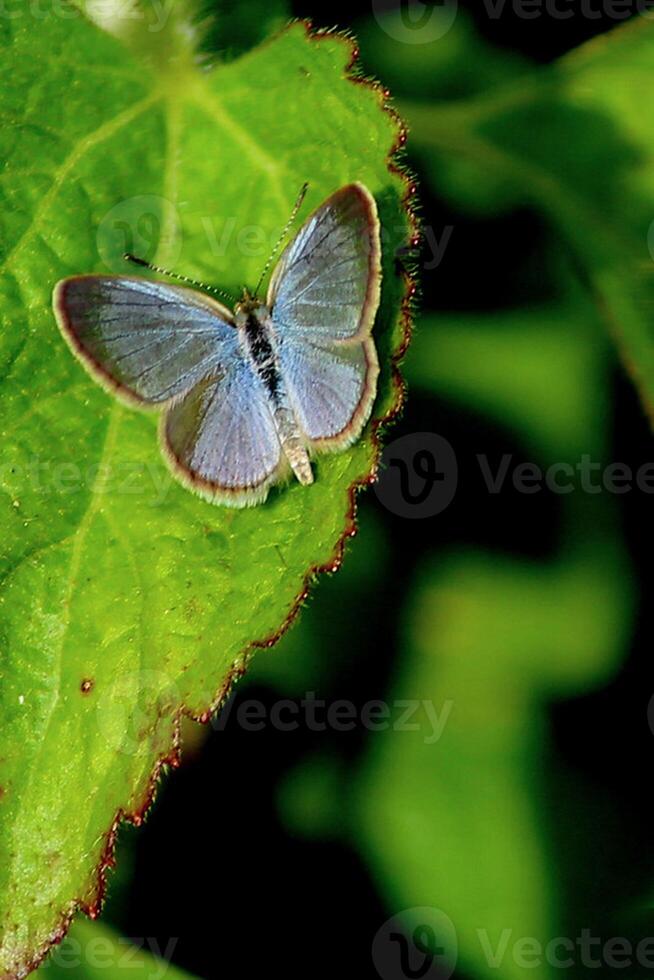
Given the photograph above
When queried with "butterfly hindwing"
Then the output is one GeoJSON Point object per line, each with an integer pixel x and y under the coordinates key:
{"type": "Point", "coordinates": [146, 340]}
{"type": "Point", "coordinates": [323, 297]}
{"type": "Point", "coordinates": [221, 439]}
{"type": "Point", "coordinates": [332, 388]}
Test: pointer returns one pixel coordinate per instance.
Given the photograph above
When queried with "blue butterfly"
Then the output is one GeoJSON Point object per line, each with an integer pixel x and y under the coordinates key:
{"type": "Point", "coordinates": [249, 394]}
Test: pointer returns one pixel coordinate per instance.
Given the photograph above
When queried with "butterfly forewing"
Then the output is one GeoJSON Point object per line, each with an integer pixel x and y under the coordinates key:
{"type": "Point", "coordinates": [149, 340]}
{"type": "Point", "coordinates": [324, 295]}
{"type": "Point", "coordinates": [327, 280]}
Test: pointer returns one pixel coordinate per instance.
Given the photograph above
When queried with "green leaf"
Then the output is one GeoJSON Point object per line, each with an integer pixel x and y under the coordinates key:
{"type": "Point", "coordinates": [90, 950]}
{"type": "Point", "coordinates": [124, 598]}
{"type": "Point", "coordinates": [577, 142]}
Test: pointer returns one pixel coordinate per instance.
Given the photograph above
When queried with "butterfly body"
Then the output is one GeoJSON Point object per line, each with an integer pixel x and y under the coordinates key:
{"type": "Point", "coordinates": [249, 393]}
{"type": "Point", "coordinates": [260, 345]}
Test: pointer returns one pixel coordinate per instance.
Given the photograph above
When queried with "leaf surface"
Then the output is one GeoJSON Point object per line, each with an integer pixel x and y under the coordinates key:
{"type": "Point", "coordinates": [124, 598]}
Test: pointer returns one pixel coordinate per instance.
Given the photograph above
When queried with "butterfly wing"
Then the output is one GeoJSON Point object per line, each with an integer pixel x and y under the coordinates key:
{"type": "Point", "coordinates": [147, 341]}
{"type": "Point", "coordinates": [157, 344]}
{"type": "Point", "coordinates": [323, 298]}
{"type": "Point", "coordinates": [221, 440]}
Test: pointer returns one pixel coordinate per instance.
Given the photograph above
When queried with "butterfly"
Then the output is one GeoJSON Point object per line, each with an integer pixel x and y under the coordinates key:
{"type": "Point", "coordinates": [247, 396]}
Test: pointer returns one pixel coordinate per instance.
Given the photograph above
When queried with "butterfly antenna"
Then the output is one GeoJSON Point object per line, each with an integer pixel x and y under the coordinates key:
{"type": "Point", "coordinates": [175, 275]}
{"type": "Point", "coordinates": [296, 208]}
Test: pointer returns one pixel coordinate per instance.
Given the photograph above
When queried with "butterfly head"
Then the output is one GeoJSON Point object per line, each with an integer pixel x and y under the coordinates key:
{"type": "Point", "coordinates": [249, 305]}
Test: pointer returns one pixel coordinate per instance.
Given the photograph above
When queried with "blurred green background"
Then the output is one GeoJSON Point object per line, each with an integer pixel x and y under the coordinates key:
{"type": "Point", "coordinates": [492, 807]}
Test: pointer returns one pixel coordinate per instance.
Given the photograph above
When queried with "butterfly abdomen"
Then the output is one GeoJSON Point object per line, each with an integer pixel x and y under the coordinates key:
{"type": "Point", "coordinates": [261, 348]}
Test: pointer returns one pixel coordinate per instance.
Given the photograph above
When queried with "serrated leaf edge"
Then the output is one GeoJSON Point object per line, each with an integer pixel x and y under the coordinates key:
{"type": "Point", "coordinates": [172, 757]}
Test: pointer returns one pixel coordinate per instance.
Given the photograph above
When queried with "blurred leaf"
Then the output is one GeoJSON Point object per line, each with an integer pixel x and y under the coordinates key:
{"type": "Point", "coordinates": [449, 807]}
{"type": "Point", "coordinates": [124, 597]}
{"type": "Point", "coordinates": [310, 798]}
{"type": "Point", "coordinates": [576, 141]}
{"type": "Point", "coordinates": [232, 28]}
{"type": "Point", "coordinates": [91, 950]}
{"type": "Point", "coordinates": [541, 371]}
{"type": "Point", "coordinates": [450, 68]}
{"type": "Point", "coordinates": [454, 63]}
{"type": "Point", "coordinates": [456, 822]}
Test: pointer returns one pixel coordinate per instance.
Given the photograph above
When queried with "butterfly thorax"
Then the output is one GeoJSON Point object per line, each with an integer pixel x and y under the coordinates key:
{"type": "Point", "coordinates": [259, 345]}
